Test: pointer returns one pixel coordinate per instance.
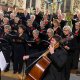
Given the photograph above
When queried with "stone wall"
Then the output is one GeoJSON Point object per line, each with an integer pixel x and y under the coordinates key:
{"type": "Point", "coordinates": [76, 4]}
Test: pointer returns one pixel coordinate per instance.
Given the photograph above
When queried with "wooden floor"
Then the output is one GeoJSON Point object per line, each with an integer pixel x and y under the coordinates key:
{"type": "Point", "coordinates": [7, 78]}
{"type": "Point", "coordinates": [12, 76]}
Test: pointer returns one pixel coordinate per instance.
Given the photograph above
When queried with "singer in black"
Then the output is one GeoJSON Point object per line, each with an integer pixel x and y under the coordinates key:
{"type": "Point", "coordinates": [19, 49]}
{"type": "Point", "coordinates": [6, 45]}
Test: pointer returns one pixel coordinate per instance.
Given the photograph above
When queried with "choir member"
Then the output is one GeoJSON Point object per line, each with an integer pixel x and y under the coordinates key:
{"type": "Point", "coordinates": [25, 17]}
{"type": "Point", "coordinates": [19, 49]}
{"type": "Point", "coordinates": [77, 51]}
{"type": "Point", "coordinates": [38, 15]}
{"type": "Point", "coordinates": [34, 23]}
{"type": "Point", "coordinates": [6, 45]}
{"type": "Point", "coordinates": [56, 27]}
{"type": "Point", "coordinates": [69, 44]}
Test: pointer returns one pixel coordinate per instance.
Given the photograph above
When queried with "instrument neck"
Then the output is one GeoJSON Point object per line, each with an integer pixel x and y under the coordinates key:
{"type": "Point", "coordinates": [55, 47]}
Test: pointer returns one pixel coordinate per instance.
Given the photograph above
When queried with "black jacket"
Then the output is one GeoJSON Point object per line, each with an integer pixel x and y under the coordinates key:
{"type": "Point", "coordinates": [56, 68]}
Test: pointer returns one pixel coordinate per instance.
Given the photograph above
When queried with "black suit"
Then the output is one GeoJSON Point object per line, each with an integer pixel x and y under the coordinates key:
{"type": "Point", "coordinates": [74, 20]}
{"type": "Point", "coordinates": [63, 23]}
{"type": "Point", "coordinates": [39, 17]}
{"type": "Point", "coordinates": [25, 18]}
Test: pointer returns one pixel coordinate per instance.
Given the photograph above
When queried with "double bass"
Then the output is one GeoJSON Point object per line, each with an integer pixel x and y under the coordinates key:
{"type": "Point", "coordinates": [38, 70]}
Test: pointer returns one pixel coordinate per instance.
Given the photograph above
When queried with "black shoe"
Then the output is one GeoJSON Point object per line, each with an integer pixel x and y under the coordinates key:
{"type": "Point", "coordinates": [14, 72]}
{"type": "Point", "coordinates": [19, 72]}
{"type": "Point", "coordinates": [6, 70]}
{"type": "Point", "coordinates": [78, 73]}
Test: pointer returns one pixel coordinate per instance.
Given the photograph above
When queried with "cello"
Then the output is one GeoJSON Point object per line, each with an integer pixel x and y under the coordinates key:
{"type": "Point", "coordinates": [38, 70]}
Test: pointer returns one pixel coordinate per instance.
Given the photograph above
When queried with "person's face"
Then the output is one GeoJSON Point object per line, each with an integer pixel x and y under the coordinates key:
{"type": "Point", "coordinates": [45, 17]}
{"type": "Point", "coordinates": [60, 16]}
{"type": "Point", "coordinates": [5, 20]}
{"type": "Point", "coordinates": [55, 24]}
{"type": "Point", "coordinates": [16, 20]}
{"type": "Point", "coordinates": [49, 33]}
{"type": "Point", "coordinates": [35, 35]}
{"type": "Point", "coordinates": [78, 15]}
{"type": "Point", "coordinates": [58, 11]}
{"type": "Point", "coordinates": [66, 31]}
{"type": "Point", "coordinates": [53, 41]}
{"type": "Point", "coordinates": [63, 16]}
{"type": "Point", "coordinates": [12, 16]}
{"type": "Point", "coordinates": [20, 30]}
{"type": "Point", "coordinates": [37, 10]}
{"type": "Point", "coordinates": [29, 23]}
{"type": "Point", "coordinates": [77, 27]}
{"type": "Point", "coordinates": [1, 16]}
{"type": "Point", "coordinates": [42, 25]}
{"type": "Point", "coordinates": [6, 30]}
{"type": "Point", "coordinates": [33, 18]}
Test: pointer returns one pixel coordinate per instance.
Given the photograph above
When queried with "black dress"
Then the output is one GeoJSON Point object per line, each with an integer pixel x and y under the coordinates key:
{"type": "Point", "coordinates": [71, 43]}
{"type": "Point", "coordinates": [19, 50]}
{"type": "Point", "coordinates": [6, 48]}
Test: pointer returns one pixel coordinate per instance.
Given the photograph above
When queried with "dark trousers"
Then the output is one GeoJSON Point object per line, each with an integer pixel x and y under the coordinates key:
{"type": "Point", "coordinates": [7, 52]}
{"type": "Point", "coordinates": [75, 59]}
{"type": "Point", "coordinates": [68, 67]}
{"type": "Point", "coordinates": [18, 63]}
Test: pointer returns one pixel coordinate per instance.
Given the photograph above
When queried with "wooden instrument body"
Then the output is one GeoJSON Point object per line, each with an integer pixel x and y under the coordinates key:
{"type": "Point", "coordinates": [37, 71]}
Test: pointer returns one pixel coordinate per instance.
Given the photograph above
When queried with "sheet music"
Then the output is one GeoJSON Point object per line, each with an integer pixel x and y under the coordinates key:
{"type": "Point", "coordinates": [3, 62]}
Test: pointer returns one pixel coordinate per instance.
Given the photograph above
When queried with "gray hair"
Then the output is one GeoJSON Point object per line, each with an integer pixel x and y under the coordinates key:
{"type": "Point", "coordinates": [1, 13]}
{"type": "Point", "coordinates": [32, 16]}
{"type": "Point", "coordinates": [36, 31]}
{"type": "Point", "coordinates": [52, 31]}
{"type": "Point", "coordinates": [8, 27]}
{"type": "Point", "coordinates": [68, 28]}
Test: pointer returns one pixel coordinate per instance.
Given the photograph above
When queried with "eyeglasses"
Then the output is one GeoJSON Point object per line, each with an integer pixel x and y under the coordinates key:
{"type": "Point", "coordinates": [76, 25]}
{"type": "Point", "coordinates": [65, 30]}
{"type": "Point", "coordinates": [48, 32]}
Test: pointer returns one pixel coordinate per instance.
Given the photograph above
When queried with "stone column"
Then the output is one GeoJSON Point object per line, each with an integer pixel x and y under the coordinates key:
{"type": "Point", "coordinates": [54, 6]}
{"type": "Point", "coordinates": [43, 6]}
{"type": "Point", "coordinates": [38, 4]}
{"type": "Point", "coordinates": [64, 5]}
{"type": "Point", "coordinates": [76, 4]}
{"type": "Point", "coordinates": [72, 5]}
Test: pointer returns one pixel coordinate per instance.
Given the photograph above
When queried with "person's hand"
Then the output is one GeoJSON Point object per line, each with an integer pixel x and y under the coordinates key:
{"type": "Point", "coordinates": [51, 49]}
{"type": "Point", "coordinates": [26, 57]}
{"type": "Point", "coordinates": [29, 45]}
{"type": "Point", "coordinates": [66, 47]}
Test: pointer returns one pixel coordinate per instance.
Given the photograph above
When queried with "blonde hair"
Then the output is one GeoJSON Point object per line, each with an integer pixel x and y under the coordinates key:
{"type": "Point", "coordinates": [56, 21]}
